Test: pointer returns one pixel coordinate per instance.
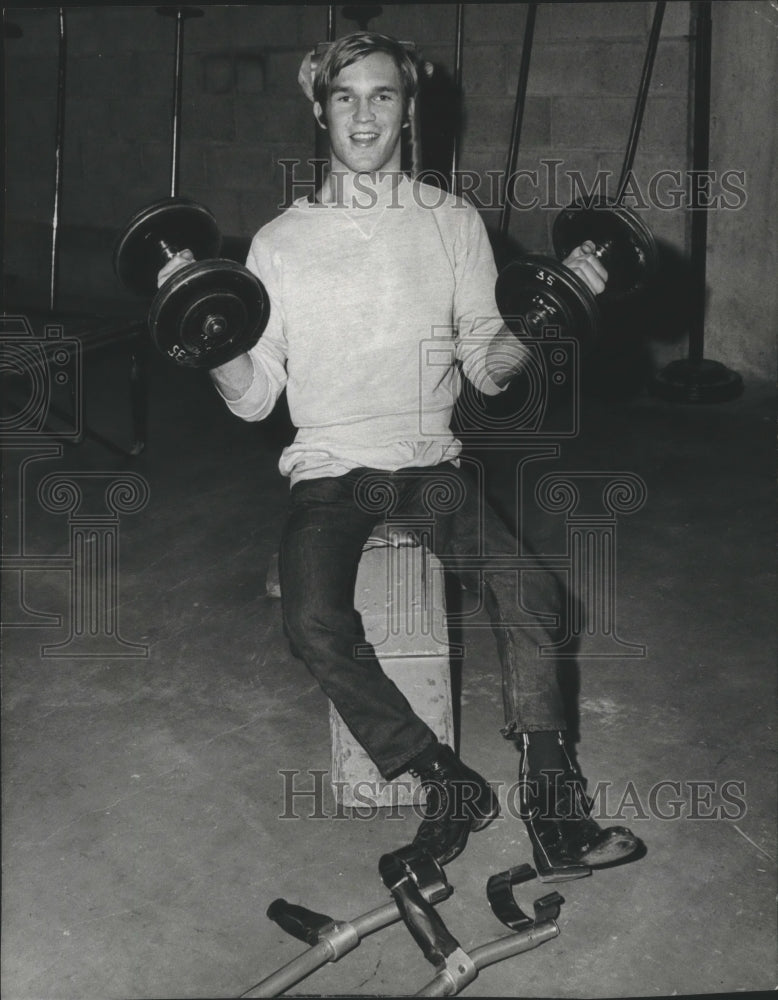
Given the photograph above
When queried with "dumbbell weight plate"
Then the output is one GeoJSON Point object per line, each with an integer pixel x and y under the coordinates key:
{"type": "Point", "coordinates": [538, 292]}
{"type": "Point", "coordinates": [208, 312]}
{"type": "Point", "coordinates": [631, 257]}
{"type": "Point", "coordinates": [177, 223]}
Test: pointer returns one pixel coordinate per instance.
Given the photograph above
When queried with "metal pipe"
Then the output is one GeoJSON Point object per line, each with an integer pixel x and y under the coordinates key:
{"type": "Point", "coordinates": [180, 14]}
{"type": "Point", "coordinates": [640, 104]}
{"type": "Point", "coordinates": [518, 114]}
{"type": "Point", "coordinates": [299, 968]}
{"type": "Point", "coordinates": [493, 951]}
{"type": "Point", "coordinates": [697, 379]}
{"type": "Point", "coordinates": [58, 149]}
{"type": "Point", "coordinates": [700, 161]}
{"type": "Point", "coordinates": [374, 920]}
{"type": "Point", "coordinates": [331, 22]}
{"type": "Point", "coordinates": [505, 947]}
{"type": "Point", "coordinates": [321, 953]}
{"type": "Point", "coordinates": [459, 41]}
{"type": "Point", "coordinates": [175, 139]}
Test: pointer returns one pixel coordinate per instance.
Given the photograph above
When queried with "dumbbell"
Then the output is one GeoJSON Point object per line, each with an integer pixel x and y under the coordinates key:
{"type": "Point", "coordinates": [207, 312]}
{"type": "Point", "coordinates": [537, 291]}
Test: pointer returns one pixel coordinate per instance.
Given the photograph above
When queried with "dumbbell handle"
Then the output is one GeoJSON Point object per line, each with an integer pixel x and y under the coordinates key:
{"type": "Point", "coordinates": [539, 317]}
{"type": "Point", "coordinates": [602, 250]}
{"type": "Point", "coordinates": [168, 252]}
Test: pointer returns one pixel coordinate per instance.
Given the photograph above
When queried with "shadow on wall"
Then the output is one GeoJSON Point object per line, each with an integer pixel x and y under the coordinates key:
{"type": "Point", "coordinates": [439, 120]}
{"type": "Point", "coordinates": [623, 362]}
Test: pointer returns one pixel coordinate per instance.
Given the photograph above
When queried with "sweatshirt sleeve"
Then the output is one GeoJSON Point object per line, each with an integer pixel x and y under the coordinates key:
{"type": "Point", "coordinates": [476, 316]}
{"type": "Point", "coordinates": [268, 356]}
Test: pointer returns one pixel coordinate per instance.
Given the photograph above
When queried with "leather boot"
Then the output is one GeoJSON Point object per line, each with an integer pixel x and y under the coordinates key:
{"type": "Point", "coordinates": [458, 800]}
{"type": "Point", "coordinates": [566, 842]}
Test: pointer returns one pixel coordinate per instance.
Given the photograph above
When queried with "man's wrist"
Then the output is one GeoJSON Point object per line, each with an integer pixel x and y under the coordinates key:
{"type": "Point", "coordinates": [235, 378]}
{"type": "Point", "coordinates": [506, 355]}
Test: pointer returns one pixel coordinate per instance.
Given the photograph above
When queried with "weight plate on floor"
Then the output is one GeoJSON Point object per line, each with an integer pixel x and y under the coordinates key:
{"type": "Point", "coordinates": [208, 313]}
{"type": "Point", "coordinates": [175, 223]}
{"type": "Point", "coordinates": [630, 253]}
{"type": "Point", "coordinates": [536, 293]}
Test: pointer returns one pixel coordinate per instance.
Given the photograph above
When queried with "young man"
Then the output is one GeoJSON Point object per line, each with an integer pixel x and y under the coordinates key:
{"type": "Point", "coordinates": [361, 280]}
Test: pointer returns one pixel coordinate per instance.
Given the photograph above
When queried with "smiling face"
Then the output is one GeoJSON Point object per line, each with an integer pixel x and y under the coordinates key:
{"type": "Point", "coordinates": [364, 114]}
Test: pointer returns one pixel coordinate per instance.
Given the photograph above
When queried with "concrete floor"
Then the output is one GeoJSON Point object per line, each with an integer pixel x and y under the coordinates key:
{"type": "Point", "coordinates": [142, 838]}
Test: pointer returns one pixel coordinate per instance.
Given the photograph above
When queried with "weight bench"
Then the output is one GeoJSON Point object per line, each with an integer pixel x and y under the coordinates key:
{"type": "Point", "coordinates": [400, 596]}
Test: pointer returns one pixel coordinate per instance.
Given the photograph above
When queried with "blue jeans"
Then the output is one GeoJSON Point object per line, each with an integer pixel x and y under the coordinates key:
{"type": "Point", "coordinates": [329, 521]}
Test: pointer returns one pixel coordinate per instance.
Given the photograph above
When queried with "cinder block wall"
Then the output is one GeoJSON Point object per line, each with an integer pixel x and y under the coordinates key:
{"type": "Point", "coordinates": [243, 112]}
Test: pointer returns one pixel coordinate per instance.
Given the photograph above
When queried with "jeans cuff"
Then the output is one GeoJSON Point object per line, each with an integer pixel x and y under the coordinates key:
{"type": "Point", "coordinates": [514, 730]}
{"type": "Point", "coordinates": [400, 765]}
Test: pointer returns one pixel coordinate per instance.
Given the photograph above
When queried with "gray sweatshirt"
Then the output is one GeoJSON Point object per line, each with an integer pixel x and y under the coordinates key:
{"type": "Point", "coordinates": [371, 308]}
